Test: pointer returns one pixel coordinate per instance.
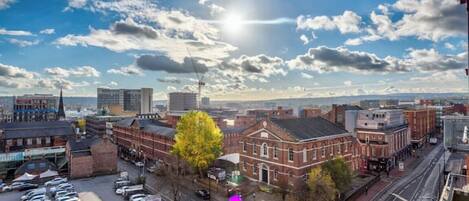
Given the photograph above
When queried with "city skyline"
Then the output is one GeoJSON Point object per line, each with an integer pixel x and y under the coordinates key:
{"type": "Point", "coordinates": [246, 50]}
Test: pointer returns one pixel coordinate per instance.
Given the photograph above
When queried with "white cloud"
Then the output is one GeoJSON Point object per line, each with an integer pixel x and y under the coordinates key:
{"type": "Point", "coordinates": [15, 32]}
{"type": "Point", "coordinates": [75, 4]}
{"type": "Point", "coordinates": [444, 76]}
{"type": "Point", "coordinates": [112, 83]}
{"type": "Point", "coordinates": [304, 38]}
{"type": "Point", "coordinates": [353, 42]}
{"type": "Point", "coordinates": [449, 46]}
{"type": "Point", "coordinates": [23, 43]}
{"type": "Point", "coordinates": [128, 70]}
{"type": "Point", "coordinates": [306, 75]}
{"type": "Point", "coordinates": [348, 83]}
{"type": "Point", "coordinates": [47, 31]}
{"type": "Point", "coordinates": [4, 4]}
{"type": "Point", "coordinates": [83, 71]}
{"type": "Point", "coordinates": [8, 71]}
{"type": "Point", "coordinates": [215, 9]}
{"type": "Point", "coordinates": [348, 22]}
{"type": "Point", "coordinates": [170, 88]}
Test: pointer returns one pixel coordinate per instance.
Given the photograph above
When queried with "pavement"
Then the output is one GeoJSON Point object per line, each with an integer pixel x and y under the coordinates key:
{"type": "Point", "coordinates": [405, 183]}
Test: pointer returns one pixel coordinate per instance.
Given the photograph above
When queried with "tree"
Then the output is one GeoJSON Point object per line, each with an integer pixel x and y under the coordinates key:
{"type": "Point", "coordinates": [321, 185]}
{"type": "Point", "coordinates": [82, 124]}
{"type": "Point", "coordinates": [340, 173]}
{"type": "Point", "coordinates": [198, 140]}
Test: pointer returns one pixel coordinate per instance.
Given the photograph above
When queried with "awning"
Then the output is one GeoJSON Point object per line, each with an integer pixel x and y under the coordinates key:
{"type": "Point", "coordinates": [48, 173]}
{"type": "Point", "coordinates": [234, 158]}
{"type": "Point", "coordinates": [26, 177]}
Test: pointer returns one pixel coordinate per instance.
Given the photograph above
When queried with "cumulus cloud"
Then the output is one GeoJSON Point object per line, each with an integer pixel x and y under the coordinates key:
{"type": "Point", "coordinates": [8, 71]}
{"type": "Point", "coordinates": [449, 46]}
{"type": "Point", "coordinates": [127, 71]}
{"type": "Point", "coordinates": [23, 43]}
{"type": "Point", "coordinates": [129, 27]}
{"type": "Point", "coordinates": [57, 83]}
{"type": "Point", "coordinates": [4, 4]}
{"type": "Point", "coordinates": [306, 75]}
{"type": "Point", "coordinates": [75, 4]}
{"type": "Point", "coordinates": [432, 60]}
{"type": "Point", "coordinates": [163, 63]}
{"type": "Point", "coordinates": [83, 71]}
{"type": "Point", "coordinates": [304, 38]}
{"type": "Point", "coordinates": [172, 80]}
{"type": "Point", "coordinates": [348, 22]}
{"type": "Point", "coordinates": [259, 64]}
{"type": "Point", "coordinates": [325, 59]}
{"type": "Point", "coordinates": [47, 31]}
{"type": "Point", "coordinates": [15, 32]}
{"type": "Point", "coordinates": [348, 83]}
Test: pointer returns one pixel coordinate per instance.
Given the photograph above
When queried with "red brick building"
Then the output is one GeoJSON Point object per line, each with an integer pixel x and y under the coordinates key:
{"type": "Point", "coordinates": [422, 123]}
{"type": "Point", "coordinates": [309, 112]}
{"type": "Point", "coordinates": [280, 151]}
{"type": "Point", "coordinates": [90, 157]}
{"type": "Point", "coordinates": [253, 116]}
{"type": "Point", "coordinates": [172, 118]}
{"type": "Point", "coordinates": [383, 137]}
{"type": "Point", "coordinates": [151, 140]}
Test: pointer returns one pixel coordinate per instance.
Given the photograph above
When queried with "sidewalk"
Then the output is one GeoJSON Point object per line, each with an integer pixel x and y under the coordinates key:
{"type": "Point", "coordinates": [395, 174]}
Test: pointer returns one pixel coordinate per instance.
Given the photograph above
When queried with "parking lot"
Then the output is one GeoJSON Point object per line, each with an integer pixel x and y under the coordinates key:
{"type": "Point", "coordinates": [101, 186]}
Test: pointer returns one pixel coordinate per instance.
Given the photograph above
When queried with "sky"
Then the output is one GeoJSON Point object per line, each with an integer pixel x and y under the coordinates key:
{"type": "Point", "coordinates": [241, 49]}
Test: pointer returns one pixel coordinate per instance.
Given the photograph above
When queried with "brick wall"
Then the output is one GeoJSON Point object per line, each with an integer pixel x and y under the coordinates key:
{"type": "Point", "coordinates": [81, 166]}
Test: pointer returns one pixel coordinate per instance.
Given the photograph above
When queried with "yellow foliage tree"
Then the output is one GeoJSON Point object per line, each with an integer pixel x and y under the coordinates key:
{"type": "Point", "coordinates": [198, 140]}
{"type": "Point", "coordinates": [321, 185]}
{"type": "Point", "coordinates": [81, 124]}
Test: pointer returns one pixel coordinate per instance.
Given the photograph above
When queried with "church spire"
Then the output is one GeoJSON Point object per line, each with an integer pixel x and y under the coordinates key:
{"type": "Point", "coordinates": [61, 112]}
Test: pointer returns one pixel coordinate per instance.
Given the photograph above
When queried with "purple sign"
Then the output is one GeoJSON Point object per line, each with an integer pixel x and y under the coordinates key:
{"type": "Point", "coordinates": [235, 198]}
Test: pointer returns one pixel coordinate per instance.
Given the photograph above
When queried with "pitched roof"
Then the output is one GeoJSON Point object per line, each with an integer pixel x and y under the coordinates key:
{"type": "Point", "coordinates": [82, 144]}
{"type": "Point", "coordinates": [149, 125]}
{"type": "Point", "coordinates": [309, 128]}
{"type": "Point", "coordinates": [231, 130]}
{"type": "Point", "coordinates": [36, 129]}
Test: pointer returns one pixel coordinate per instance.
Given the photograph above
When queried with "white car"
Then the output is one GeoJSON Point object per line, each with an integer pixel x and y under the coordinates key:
{"type": "Point", "coordinates": [62, 198]}
{"type": "Point", "coordinates": [136, 196]}
{"type": "Point", "coordinates": [121, 190]}
{"type": "Point", "coordinates": [13, 186]}
{"type": "Point", "coordinates": [63, 186]}
{"type": "Point", "coordinates": [56, 181]}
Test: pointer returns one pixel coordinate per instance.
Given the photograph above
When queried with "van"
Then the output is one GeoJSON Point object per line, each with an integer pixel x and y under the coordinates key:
{"type": "Point", "coordinates": [121, 183]}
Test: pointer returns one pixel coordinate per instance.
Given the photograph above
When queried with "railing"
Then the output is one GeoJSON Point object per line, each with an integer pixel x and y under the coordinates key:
{"type": "Point", "coordinates": [457, 186]}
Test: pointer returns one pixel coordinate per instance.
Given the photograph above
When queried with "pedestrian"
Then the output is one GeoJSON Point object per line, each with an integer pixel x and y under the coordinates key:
{"type": "Point", "coordinates": [366, 190]}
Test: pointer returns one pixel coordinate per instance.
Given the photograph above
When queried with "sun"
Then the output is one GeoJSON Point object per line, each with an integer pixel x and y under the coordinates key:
{"type": "Point", "coordinates": [233, 22]}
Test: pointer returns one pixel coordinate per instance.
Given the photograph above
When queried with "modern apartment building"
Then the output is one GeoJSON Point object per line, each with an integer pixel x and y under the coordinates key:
{"type": "Point", "coordinates": [383, 137]}
{"type": "Point", "coordinates": [422, 123]}
{"type": "Point", "coordinates": [125, 101]}
{"type": "Point", "coordinates": [337, 114]}
{"type": "Point", "coordinates": [182, 101]}
{"type": "Point", "coordinates": [35, 107]}
{"type": "Point", "coordinates": [456, 133]}
{"type": "Point", "coordinates": [283, 151]}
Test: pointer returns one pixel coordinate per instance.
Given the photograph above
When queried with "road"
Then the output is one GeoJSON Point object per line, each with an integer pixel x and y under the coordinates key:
{"type": "Point", "coordinates": [156, 184]}
{"type": "Point", "coordinates": [412, 186]}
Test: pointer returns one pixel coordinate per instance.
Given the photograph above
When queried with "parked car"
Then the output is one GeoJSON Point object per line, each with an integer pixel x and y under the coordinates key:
{"type": "Point", "coordinates": [62, 186]}
{"type": "Point", "coordinates": [137, 196]}
{"type": "Point", "coordinates": [204, 194]}
{"type": "Point", "coordinates": [216, 174]}
{"type": "Point", "coordinates": [121, 184]}
{"type": "Point", "coordinates": [121, 190]}
{"type": "Point", "coordinates": [27, 186]}
{"type": "Point", "coordinates": [32, 193]}
{"type": "Point", "coordinates": [13, 186]}
{"type": "Point", "coordinates": [56, 181]}
{"type": "Point", "coordinates": [64, 198]}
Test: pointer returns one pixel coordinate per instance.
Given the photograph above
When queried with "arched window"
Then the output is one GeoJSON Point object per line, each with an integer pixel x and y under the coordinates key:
{"type": "Point", "coordinates": [265, 151]}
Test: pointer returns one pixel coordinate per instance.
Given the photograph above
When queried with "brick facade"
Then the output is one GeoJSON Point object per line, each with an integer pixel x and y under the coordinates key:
{"type": "Point", "coordinates": [269, 154]}
{"type": "Point", "coordinates": [422, 123]}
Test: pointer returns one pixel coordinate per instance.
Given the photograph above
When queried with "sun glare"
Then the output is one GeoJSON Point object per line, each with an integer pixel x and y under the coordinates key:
{"type": "Point", "coordinates": [233, 22]}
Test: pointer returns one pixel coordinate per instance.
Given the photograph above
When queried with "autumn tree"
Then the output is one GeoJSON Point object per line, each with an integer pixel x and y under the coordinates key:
{"type": "Point", "coordinates": [321, 185]}
{"type": "Point", "coordinates": [340, 173]}
{"type": "Point", "coordinates": [198, 140]}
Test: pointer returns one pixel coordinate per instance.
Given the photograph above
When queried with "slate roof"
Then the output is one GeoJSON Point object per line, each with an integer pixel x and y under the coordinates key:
{"type": "Point", "coordinates": [149, 125]}
{"type": "Point", "coordinates": [82, 144]}
{"type": "Point", "coordinates": [36, 129]}
{"type": "Point", "coordinates": [231, 130]}
{"type": "Point", "coordinates": [309, 128]}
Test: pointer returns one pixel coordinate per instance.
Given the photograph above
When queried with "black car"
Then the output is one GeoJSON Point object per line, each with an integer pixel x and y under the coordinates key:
{"type": "Point", "coordinates": [27, 186]}
{"type": "Point", "coordinates": [204, 194]}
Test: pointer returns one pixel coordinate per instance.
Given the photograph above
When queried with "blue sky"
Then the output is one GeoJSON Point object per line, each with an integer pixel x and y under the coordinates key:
{"type": "Point", "coordinates": [246, 50]}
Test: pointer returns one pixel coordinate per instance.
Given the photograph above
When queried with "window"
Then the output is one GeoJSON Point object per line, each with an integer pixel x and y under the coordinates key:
{"type": "Point", "coordinates": [331, 151]}
{"type": "Point", "coordinates": [47, 140]}
{"type": "Point", "coordinates": [10, 142]}
{"type": "Point", "coordinates": [338, 148]}
{"type": "Point", "coordinates": [290, 154]}
{"type": "Point", "coordinates": [275, 174]}
{"type": "Point", "coordinates": [244, 165]}
{"type": "Point", "coordinates": [254, 150]}
{"type": "Point", "coordinates": [367, 138]}
{"type": "Point", "coordinates": [38, 141]}
{"type": "Point", "coordinates": [275, 152]}
{"type": "Point", "coordinates": [19, 142]}
{"type": "Point", "coordinates": [314, 154]}
{"type": "Point", "coordinates": [254, 169]}
{"type": "Point", "coordinates": [265, 151]}
{"type": "Point", "coordinates": [244, 146]}
{"type": "Point", "coordinates": [305, 156]}
{"type": "Point", "coordinates": [323, 152]}
{"type": "Point", "coordinates": [346, 147]}
{"type": "Point", "coordinates": [29, 141]}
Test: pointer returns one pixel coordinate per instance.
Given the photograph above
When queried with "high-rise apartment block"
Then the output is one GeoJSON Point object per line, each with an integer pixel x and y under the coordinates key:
{"type": "Point", "coordinates": [182, 101]}
{"type": "Point", "coordinates": [122, 101]}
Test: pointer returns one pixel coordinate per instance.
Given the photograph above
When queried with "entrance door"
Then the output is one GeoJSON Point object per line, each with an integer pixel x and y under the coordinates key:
{"type": "Point", "coordinates": [265, 175]}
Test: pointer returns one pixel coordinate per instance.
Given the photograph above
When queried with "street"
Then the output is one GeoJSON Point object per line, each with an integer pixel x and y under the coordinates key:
{"type": "Point", "coordinates": [412, 186]}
